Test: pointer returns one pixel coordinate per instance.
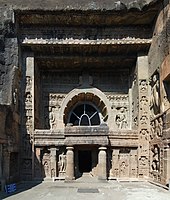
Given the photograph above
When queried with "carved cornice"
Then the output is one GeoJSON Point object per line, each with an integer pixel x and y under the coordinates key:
{"type": "Point", "coordinates": [124, 41]}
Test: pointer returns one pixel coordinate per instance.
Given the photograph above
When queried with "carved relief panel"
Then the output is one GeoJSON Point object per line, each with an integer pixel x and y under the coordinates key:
{"type": "Point", "coordinates": [144, 131]}
{"type": "Point", "coordinates": [120, 111]}
{"type": "Point", "coordinates": [52, 105]}
{"type": "Point", "coordinates": [155, 95]}
{"type": "Point", "coordinates": [124, 163]}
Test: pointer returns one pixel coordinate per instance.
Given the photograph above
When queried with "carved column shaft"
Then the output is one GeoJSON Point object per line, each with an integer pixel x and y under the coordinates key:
{"type": "Point", "coordinates": [70, 164]}
{"type": "Point", "coordinates": [167, 164]}
{"type": "Point", "coordinates": [144, 116]}
{"type": "Point", "coordinates": [102, 171]}
{"type": "Point", "coordinates": [53, 162]}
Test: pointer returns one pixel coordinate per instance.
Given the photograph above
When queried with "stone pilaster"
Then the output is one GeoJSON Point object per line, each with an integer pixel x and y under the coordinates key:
{"type": "Point", "coordinates": [70, 164]}
{"type": "Point", "coordinates": [53, 162]}
{"type": "Point", "coordinates": [167, 164]}
{"type": "Point", "coordinates": [144, 116]}
{"type": "Point", "coordinates": [102, 173]}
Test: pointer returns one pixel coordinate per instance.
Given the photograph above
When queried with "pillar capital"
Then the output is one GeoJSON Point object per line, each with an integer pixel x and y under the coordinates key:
{"type": "Point", "coordinates": [70, 148]}
{"type": "Point", "coordinates": [103, 148]}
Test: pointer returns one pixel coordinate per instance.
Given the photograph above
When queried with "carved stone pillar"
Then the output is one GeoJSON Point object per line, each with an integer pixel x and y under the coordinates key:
{"type": "Point", "coordinates": [53, 162]}
{"type": "Point", "coordinates": [70, 164]}
{"type": "Point", "coordinates": [143, 116]}
{"type": "Point", "coordinates": [102, 164]}
{"type": "Point", "coordinates": [167, 164]}
{"type": "Point", "coordinates": [37, 163]}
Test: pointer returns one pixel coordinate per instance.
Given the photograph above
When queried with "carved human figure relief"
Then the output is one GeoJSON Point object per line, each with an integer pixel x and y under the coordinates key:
{"type": "Point", "coordinates": [144, 105]}
{"type": "Point", "coordinates": [28, 98]}
{"type": "Point", "coordinates": [165, 94]}
{"type": "Point", "coordinates": [46, 165]}
{"type": "Point", "coordinates": [143, 120]}
{"type": "Point", "coordinates": [51, 117]}
{"type": "Point", "coordinates": [143, 85]}
{"type": "Point", "coordinates": [121, 118]}
{"type": "Point", "coordinates": [160, 125]}
{"type": "Point", "coordinates": [156, 159]}
{"type": "Point", "coordinates": [15, 96]}
{"type": "Point", "coordinates": [62, 164]}
{"type": "Point", "coordinates": [123, 169]}
{"type": "Point", "coordinates": [155, 95]}
{"type": "Point", "coordinates": [152, 129]}
{"type": "Point", "coordinates": [143, 161]}
{"type": "Point", "coordinates": [144, 135]}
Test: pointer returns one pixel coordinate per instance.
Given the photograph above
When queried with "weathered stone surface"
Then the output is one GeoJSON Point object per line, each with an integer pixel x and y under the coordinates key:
{"type": "Point", "coordinates": [84, 79]}
{"type": "Point", "coordinates": [79, 5]}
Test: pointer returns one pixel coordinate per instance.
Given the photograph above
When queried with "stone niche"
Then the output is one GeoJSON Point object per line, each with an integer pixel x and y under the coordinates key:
{"type": "Point", "coordinates": [123, 163]}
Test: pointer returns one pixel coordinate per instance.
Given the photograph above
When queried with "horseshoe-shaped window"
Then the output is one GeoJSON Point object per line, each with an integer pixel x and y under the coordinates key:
{"type": "Point", "coordinates": [85, 114]}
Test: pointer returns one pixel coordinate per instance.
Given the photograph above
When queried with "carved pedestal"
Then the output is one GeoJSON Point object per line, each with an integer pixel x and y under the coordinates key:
{"type": "Point", "coordinates": [102, 164]}
{"type": "Point", "coordinates": [70, 164]}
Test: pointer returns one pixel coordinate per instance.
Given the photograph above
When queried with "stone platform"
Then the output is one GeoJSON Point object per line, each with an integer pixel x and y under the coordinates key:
{"type": "Point", "coordinates": [88, 187]}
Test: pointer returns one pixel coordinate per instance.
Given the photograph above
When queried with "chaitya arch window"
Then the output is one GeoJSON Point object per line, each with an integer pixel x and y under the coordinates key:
{"type": "Point", "coordinates": [85, 114]}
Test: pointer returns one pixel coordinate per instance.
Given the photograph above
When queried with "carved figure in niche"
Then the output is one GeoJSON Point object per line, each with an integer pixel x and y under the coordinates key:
{"type": "Point", "coordinates": [51, 118]}
{"type": "Point", "coordinates": [15, 96]}
{"type": "Point", "coordinates": [28, 81]}
{"type": "Point", "coordinates": [135, 120]}
{"type": "Point", "coordinates": [155, 95]}
{"type": "Point", "coordinates": [152, 129]}
{"type": "Point", "coordinates": [143, 86]}
{"type": "Point", "coordinates": [123, 169]}
{"type": "Point", "coordinates": [28, 124]}
{"type": "Point", "coordinates": [28, 98]}
{"type": "Point", "coordinates": [143, 161]}
{"type": "Point", "coordinates": [143, 120]}
{"type": "Point", "coordinates": [116, 172]}
{"type": "Point", "coordinates": [144, 134]}
{"type": "Point", "coordinates": [52, 172]}
{"type": "Point", "coordinates": [62, 163]}
{"type": "Point", "coordinates": [160, 127]}
{"type": "Point", "coordinates": [165, 101]}
{"type": "Point", "coordinates": [155, 161]}
{"type": "Point", "coordinates": [46, 165]}
{"type": "Point", "coordinates": [121, 118]}
{"type": "Point", "coordinates": [144, 105]}
{"type": "Point", "coordinates": [46, 168]}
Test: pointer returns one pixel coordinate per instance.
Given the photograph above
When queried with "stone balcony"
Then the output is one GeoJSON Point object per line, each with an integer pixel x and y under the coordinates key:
{"type": "Point", "coordinates": [82, 135]}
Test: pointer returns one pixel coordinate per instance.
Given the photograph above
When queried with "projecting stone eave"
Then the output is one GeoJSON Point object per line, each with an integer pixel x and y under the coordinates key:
{"type": "Point", "coordinates": [83, 5]}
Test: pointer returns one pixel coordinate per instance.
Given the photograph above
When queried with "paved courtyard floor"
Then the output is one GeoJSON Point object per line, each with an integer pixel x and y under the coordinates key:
{"type": "Point", "coordinates": [86, 189]}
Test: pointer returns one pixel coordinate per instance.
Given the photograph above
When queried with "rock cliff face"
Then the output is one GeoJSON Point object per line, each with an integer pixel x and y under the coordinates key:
{"type": "Point", "coordinates": [79, 5]}
{"type": "Point", "coordinates": [127, 21]}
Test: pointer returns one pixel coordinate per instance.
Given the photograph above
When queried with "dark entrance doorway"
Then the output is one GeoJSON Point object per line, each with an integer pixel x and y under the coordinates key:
{"type": "Point", "coordinates": [85, 161]}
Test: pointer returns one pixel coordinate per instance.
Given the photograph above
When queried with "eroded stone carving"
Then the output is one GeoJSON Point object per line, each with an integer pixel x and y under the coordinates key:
{"type": "Point", "coordinates": [155, 95]}
{"type": "Point", "coordinates": [143, 86]}
{"type": "Point", "coordinates": [143, 120]}
{"type": "Point", "coordinates": [121, 118]}
{"type": "Point", "coordinates": [51, 117]}
{"type": "Point", "coordinates": [62, 164]}
{"type": "Point", "coordinates": [144, 105]}
{"type": "Point", "coordinates": [156, 158]}
{"type": "Point", "coordinates": [46, 164]}
{"type": "Point", "coordinates": [124, 163]}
